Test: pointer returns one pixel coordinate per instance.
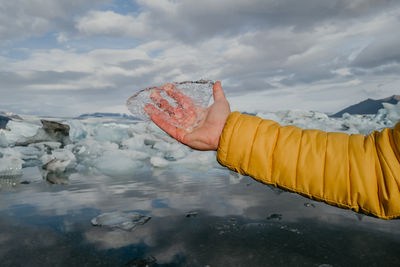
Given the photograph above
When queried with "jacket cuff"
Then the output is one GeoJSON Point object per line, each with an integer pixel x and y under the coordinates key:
{"type": "Point", "coordinates": [236, 141]}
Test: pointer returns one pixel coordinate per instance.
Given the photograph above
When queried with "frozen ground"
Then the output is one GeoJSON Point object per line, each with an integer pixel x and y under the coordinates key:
{"type": "Point", "coordinates": [118, 173]}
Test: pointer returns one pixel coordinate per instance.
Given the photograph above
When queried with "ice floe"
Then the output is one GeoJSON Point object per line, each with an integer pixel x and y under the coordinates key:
{"type": "Point", "coordinates": [127, 221]}
{"type": "Point", "coordinates": [122, 146]}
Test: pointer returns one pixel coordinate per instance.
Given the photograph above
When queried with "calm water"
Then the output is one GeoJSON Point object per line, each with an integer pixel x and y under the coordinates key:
{"type": "Point", "coordinates": [213, 218]}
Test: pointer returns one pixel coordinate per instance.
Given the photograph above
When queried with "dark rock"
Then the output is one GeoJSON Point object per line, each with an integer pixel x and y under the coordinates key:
{"type": "Point", "coordinates": [191, 214]}
{"type": "Point", "coordinates": [57, 178]}
{"type": "Point", "coordinates": [3, 122]}
{"type": "Point", "coordinates": [275, 216]}
{"type": "Point", "coordinates": [137, 262]}
{"type": "Point", "coordinates": [56, 130]}
{"type": "Point", "coordinates": [51, 131]}
{"type": "Point", "coordinates": [149, 142]}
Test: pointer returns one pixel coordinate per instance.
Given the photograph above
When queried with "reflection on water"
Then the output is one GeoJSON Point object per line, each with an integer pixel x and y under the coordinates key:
{"type": "Point", "coordinates": [214, 218]}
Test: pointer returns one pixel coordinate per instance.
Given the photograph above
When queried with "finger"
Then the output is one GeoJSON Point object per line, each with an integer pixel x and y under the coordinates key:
{"type": "Point", "coordinates": [178, 116]}
{"type": "Point", "coordinates": [185, 113]}
{"type": "Point", "coordinates": [182, 100]}
{"type": "Point", "coordinates": [161, 102]}
{"type": "Point", "coordinates": [151, 110]}
{"type": "Point", "coordinates": [175, 132]}
{"type": "Point", "coordinates": [184, 118]}
{"type": "Point", "coordinates": [218, 93]}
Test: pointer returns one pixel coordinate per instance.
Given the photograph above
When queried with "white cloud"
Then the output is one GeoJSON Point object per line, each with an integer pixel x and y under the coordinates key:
{"type": "Point", "coordinates": [111, 24]}
{"type": "Point", "coordinates": [252, 46]}
{"type": "Point", "coordinates": [21, 19]}
{"type": "Point", "coordinates": [62, 38]}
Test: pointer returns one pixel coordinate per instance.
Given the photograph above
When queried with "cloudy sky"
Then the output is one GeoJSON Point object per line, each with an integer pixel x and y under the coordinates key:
{"type": "Point", "coordinates": [67, 57]}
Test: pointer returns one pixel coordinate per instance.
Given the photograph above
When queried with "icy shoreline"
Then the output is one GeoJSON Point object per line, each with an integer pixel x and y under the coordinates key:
{"type": "Point", "coordinates": [119, 146]}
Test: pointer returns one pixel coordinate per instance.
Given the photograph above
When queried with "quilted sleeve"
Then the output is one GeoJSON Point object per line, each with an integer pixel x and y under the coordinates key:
{"type": "Point", "coordinates": [357, 172]}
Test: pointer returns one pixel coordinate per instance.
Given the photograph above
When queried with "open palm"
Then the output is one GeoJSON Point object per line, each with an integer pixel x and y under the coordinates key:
{"type": "Point", "coordinates": [178, 121]}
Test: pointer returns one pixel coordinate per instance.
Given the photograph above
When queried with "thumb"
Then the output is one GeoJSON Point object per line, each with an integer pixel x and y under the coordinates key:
{"type": "Point", "coordinates": [218, 93]}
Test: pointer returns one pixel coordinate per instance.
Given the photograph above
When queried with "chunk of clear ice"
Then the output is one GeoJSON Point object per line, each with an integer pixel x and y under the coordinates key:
{"type": "Point", "coordinates": [123, 220]}
{"type": "Point", "coordinates": [200, 91]}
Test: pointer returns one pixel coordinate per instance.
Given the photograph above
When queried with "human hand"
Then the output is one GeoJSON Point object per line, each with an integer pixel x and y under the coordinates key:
{"type": "Point", "coordinates": [177, 121]}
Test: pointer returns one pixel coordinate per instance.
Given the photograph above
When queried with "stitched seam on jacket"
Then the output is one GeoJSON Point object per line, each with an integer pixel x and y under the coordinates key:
{"type": "Point", "coordinates": [252, 144]}
{"type": "Point", "coordinates": [324, 165]}
{"type": "Point", "coordinates": [230, 138]}
{"type": "Point", "coordinates": [273, 152]}
{"type": "Point", "coordinates": [392, 172]}
{"type": "Point", "coordinates": [387, 188]}
{"type": "Point", "coordinates": [349, 172]}
{"type": "Point", "coordinates": [379, 191]}
{"type": "Point", "coordinates": [393, 145]}
{"type": "Point", "coordinates": [297, 160]}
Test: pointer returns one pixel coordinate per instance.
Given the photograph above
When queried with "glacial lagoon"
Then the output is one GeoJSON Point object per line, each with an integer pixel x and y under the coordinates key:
{"type": "Point", "coordinates": [122, 193]}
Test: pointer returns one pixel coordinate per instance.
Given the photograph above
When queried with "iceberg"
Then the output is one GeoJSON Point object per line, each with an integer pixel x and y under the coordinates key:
{"type": "Point", "coordinates": [390, 112]}
{"type": "Point", "coordinates": [30, 155]}
{"type": "Point", "coordinates": [119, 162]}
{"type": "Point", "coordinates": [20, 130]}
{"type": "Point", "coordinates": [59, 160]}
{"type": "Point", "coordinates": [78, 130]}
{"type": "Point", "coordinates": [110, 132]}
{"type": "Point", "coordinates": [351, 124]}
{"type": "Point", "coordinates": [50, 131]}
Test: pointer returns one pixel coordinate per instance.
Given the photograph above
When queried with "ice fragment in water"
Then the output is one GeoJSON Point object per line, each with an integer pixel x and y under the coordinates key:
{"type": "Point", "coordinates": [10, 162]}
{"type": "Point", "coordinates": [3, 139]}
{"type": "Point", "coordinates": [58, 160]}
{"type": "Point", "coordinates": [119, 162]}
{"type": "Point", "coordinates": [124, 220]}
{"type": "Point", "coordinates": [309, 205]}
{"type": "Point", "coordinates": [198, 93]}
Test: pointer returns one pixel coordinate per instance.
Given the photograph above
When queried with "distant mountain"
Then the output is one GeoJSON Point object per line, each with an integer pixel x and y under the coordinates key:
{"type": "Point", "coordinates": [5, 117]}
{"type": "Point", "coordinates": [10, 115]}
{"type": "Point", "coordinates": [369, 106]}
{"type": "Point", "coordinates": [106, 115]}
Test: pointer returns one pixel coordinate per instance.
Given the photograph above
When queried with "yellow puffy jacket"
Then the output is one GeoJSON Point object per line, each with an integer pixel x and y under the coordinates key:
{"type": "Point", "coordinates": [357, 172]}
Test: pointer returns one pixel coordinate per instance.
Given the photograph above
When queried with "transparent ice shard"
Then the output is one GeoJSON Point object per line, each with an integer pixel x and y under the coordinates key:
{"type": "Point", "coordinates": [123, 220]}
{"type": "Point", "coordinates": [199, 91]}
